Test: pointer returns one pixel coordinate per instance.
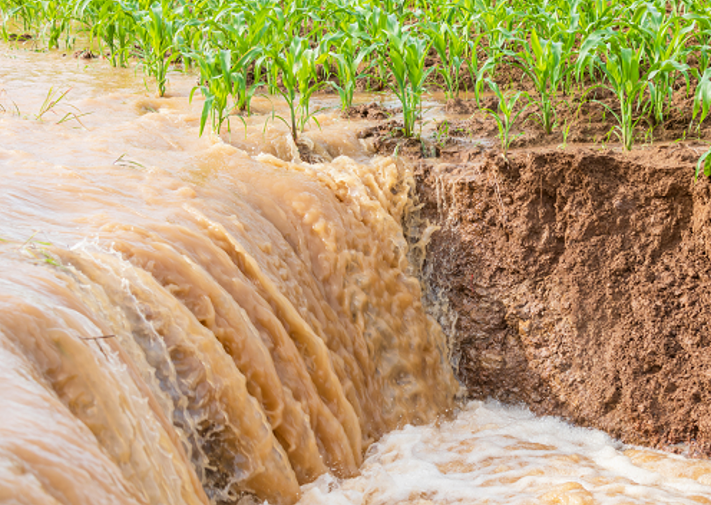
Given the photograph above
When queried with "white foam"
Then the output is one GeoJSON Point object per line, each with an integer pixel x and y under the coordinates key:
{"type": "Point", "coordinates": [492, 453]}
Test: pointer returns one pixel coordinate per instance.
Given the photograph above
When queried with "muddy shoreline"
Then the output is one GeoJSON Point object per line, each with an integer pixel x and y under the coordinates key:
{"type": "Point", "coordinates": [576, 281]}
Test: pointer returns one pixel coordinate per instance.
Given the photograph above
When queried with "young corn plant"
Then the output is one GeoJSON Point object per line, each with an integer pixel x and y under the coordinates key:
{"type": "Point", "coordinates": [114, 28]}
{"type": "Point", "coordinates": [348, 59]}
{"type": "Point", "coordinates": [664, 39]}
{"type": "Point", "coordinates": [701, 15]}
{"type": "Point", "coordinates": [660, 85]}
{"type": "Point", "coordinates": [297, 66]}
{"type": "Point", "coordinates": [622, 69]}
{"type": "Point", "coordinates": [546, 65]}
{"type": "Point", "coordinates": [566, 28]}
{"type": "Point", "coordinates": [373, 22]}
{"type": "Point", "coordinates": [57, 14]}
{"type": "Point", "coordinates": [452, 48]}
{"type": "Point", "coordinates": [500, 22]}
{"type": "Point", "coordinates": [596, 15]}
{"type": "Point", "coordinates": [233, 28]}
{"type": "Point", "coordinates": [545, 20]}
{"type": "Point", "coordinates": [477, 71]}
{"type": "Point", "coordinates": [407, 66]}
{"type": "Point", "coordinates": [703, 166]}
{"type": "Point", "coordinates": [7, 13]}
{"type": "Point", "coordinates": [28, 14]}
{"type": "Point", "coordinates": [284, 24]}
{"type": "Point", "coordinates": [223, 81]}
{"type": "Point", "coordinates": [155, 33]}
{"type": "Point", "coordinates": [241, 36]}
{"type": "Point", "coordinates": [702, 98]}
{"type": "Point", "coordinates": [506, 114]}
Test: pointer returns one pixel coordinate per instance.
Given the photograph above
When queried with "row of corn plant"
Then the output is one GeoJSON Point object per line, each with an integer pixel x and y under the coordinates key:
{"type": "Point", "coordinates": [643, 51]}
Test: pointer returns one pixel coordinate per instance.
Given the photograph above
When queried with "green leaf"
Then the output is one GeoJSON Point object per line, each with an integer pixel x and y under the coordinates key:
{"type": "Point", "coordinates": [703, 165]}
{"type": "Point", "coordinates": [206, 108]}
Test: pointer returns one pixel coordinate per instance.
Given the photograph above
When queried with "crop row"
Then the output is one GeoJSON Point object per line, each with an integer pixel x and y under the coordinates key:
{"type": "Point", "coordinates": [642, 51]}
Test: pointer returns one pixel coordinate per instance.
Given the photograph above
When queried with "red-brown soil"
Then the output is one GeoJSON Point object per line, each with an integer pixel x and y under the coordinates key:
{"type": "Point", "coordinates": [573, 279]}
{"type": "Point", "coordinates": [372, 111]}
{"type": "Point", "coordinates": [581, 119]}
{"type": "Point", "coordinates": [580, 283]}
{"type": "Point", "coordinates": [386, 138]}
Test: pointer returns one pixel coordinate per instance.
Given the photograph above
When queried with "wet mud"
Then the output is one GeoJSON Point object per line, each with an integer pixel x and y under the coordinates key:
{"type": "Point", "coordinates": [373, 111]}
{"type": "Point", "coordinates": [576, 282]}
{"type": "Point", "coordinates": [584, 118]}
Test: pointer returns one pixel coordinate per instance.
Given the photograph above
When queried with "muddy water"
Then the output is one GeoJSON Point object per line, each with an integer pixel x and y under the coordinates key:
{"type": "Point", "coordinates": [491, 454]}
{"type": "Point", "coordinates": [186, 319]}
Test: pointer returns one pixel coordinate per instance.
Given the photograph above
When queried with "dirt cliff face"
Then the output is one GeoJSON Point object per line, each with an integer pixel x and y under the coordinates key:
{"type": "Point", "coordinates": [579, 281]}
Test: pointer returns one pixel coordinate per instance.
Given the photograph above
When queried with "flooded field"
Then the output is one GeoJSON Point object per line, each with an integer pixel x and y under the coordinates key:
{"type": "Point", "coordinates": [189, 319]}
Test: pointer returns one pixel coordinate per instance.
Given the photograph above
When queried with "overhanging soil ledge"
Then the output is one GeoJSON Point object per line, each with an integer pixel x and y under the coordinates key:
{"type": "Point", "coordinates": [577, 282]}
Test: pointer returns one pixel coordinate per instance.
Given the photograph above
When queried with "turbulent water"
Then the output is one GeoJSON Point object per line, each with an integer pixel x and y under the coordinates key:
{"type": "Point", "coordinates": [491, 454]}
{"type": "Point", "coordinates": [181, 321]}
{"type": "Point", "coordinates": [187, 319]}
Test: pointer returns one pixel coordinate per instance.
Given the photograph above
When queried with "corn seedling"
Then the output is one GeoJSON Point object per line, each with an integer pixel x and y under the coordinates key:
{"type": "Point", "coordinates": [702, 98]}
{"type": "Point", "coordinates": [155, 34]}
{"type": "Point", "coordinates": [505, 115]}
{"type": "Point", "coordinates": [545, 64]}
{"type": "Point", "coordinates": [348, 61]}
{"type": "Point", "coordinates": [442, 133]}
{"type": "Point", "coordinates": [297, 66]}
{"type": "Point", "coordinates": [664, 40]}
{"type": "Point", "coordinates": [7, 14]}
{"type": "Point", "coordinates": [621, 69]}
{"type": "Point", "coordinates": [57, 14]}
{"type": "Point", "coordinates": [500, 22]}
{"type": "Point", "coordinates": [566, 134]}
{"type": "Point", "coordinates": [407, 65]}
{"type": "Point", "coordinates": [114, 28]}
{"type": "Point", "coordinates": [373, 22]}
{"type": "Point", "coordinates": [452, 48]}
{"type": "Point", "coordinates": [231, 78]}
{"type": "Point", "coordinates": [217, 88]}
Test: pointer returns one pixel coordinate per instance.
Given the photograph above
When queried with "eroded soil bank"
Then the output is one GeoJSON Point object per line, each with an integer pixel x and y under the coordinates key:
{"type": "Point", "coordinates": [577, 283]}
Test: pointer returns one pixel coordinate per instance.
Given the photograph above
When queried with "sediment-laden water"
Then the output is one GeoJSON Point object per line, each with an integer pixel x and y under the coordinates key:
{"type": "Point", "coordinates": [496, 454]}
{"type": "Point", "coordinates": [187, 319]}
{"type": "Point", "coordinates": [178, 315]}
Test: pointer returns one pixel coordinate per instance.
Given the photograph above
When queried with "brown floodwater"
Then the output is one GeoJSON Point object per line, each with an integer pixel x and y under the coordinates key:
{"type": "Point", "coordinates": [187, 320]}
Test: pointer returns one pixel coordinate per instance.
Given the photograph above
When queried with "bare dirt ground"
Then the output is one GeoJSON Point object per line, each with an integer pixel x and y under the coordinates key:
{"type": "Point", "coordinates": [578, 277]}
{"type": "Point", "coordinates": [580, 281]}
{"type": "Point", "coordinates": [586, 118]}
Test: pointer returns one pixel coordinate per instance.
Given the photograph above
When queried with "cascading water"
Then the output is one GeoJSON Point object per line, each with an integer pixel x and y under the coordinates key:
{"type": "Point", "coordinates": [187, 320]}
{"type": "Point", "coordinates": [184, 334]}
